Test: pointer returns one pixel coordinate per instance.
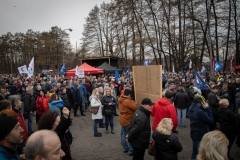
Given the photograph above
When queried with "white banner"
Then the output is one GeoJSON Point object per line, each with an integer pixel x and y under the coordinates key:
{"type": "Point", "coordinates": [23, 69]}
{"type": "Point", "coordinates": [79, 72]}
{"type": "Point", "coordinates": [31, 68]}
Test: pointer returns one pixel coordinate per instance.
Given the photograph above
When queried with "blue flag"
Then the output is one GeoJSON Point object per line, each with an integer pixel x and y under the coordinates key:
{"type": "Point", "coordinates": [217, 66]}
{"type": "Point", "coordinates": [116, 74]}
{"type": "Point", "coordinates": [199, 82]}
{"type": "Point", "coordinates": [62, 69]}
{"type": "Point", "coordinates": [163, 77]}
{"type": "Point", "coordinates": [203, 70]}
{"type": "Point", "coordinates": [127, 73]}
{"type": "Point", "coordinates": [146, 62]}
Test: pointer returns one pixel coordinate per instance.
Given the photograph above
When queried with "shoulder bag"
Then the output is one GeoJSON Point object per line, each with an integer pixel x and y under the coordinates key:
{"type": "Point", "coordinates": [152, 148]}
{"type": "Point", "coordinates": [93, 110]}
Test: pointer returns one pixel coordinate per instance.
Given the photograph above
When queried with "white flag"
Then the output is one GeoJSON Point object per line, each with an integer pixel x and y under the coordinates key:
{"type": "Point", "coordinates": [23, 69]}
{"type": "Point", "coordinates": [173, 70]}
{"type": "Point", "coordinates": [31, 68]}
{"type": "Point", "coordinates": [190, 64]}
{"type": "Point", "coordinates": [79, 72]}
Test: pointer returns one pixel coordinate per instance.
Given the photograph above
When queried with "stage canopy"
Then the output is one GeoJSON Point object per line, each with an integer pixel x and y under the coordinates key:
{"type": "Point", "coordinates": [107, 68]}
{"type": "Point", "coordinates": [87, 70]}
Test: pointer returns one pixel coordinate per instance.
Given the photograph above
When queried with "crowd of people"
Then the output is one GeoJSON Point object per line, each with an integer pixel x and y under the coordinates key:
{"type": "Point", "coordinates": [53, 99]}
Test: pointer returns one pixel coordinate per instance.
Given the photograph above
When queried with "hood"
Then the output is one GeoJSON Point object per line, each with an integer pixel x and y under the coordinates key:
{"type": "Point", "coordinates": [122, 99]}
{"type": "Point", "coordinates": [193, 108]}
{"type": "Point", "coordinates": [163, 102]}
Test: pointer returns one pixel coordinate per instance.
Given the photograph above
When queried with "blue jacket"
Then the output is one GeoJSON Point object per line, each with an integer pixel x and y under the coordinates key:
{"type": "Point", "coordinates": [4, 155]}
{"type": "Point", "coordinates": [78, 96]}
{"type": "Point", "coordinates": [200, 118]}
{"type": "Point", "coordinates": [83, 89]}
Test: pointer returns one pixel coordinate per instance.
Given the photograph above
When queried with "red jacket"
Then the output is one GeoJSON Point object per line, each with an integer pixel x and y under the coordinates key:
{"type": "Point", "coordinates": [22, 123]}
{"type": "Point", "coordinates": [45, 104]}
{"type": "Point", "coordinates": [39, 105]}
{"type": "Point", "coordinates": [164, 109]}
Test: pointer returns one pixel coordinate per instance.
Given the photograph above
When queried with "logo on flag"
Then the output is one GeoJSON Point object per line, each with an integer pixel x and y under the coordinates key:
{"type": "Point", "coordinates": [23, 69]}
{"type": "Point", "coordinates": [146, 62]}
{"type": "Point", "coordinates": [31, 68]}
{"type": "Point", "coordinates": [203, 70]}
{"type": "Point", "coordinates": [190, 64]}
{"type": "Point", "coordinates": [199, 82]}
{"type": "Point", "coordinates": [217, 66]}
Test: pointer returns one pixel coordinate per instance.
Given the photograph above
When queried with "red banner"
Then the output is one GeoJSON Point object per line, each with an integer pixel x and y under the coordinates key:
{"type": "Point", "coordinates": [230, 63]}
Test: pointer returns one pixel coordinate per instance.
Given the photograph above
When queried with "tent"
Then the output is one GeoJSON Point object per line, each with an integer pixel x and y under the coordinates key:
{"type": "Point", "coordinates": [237, 68]}
{"type": "Point", "coordinates": [107, 68]}
{"type": "Point", "coordinates": [87, 70]}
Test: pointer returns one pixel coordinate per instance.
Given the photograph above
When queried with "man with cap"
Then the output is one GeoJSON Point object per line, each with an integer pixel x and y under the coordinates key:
{"type": "Point", "coordinates": [10, 136]}
{"type": "Point", "coordinates": [139, 130]}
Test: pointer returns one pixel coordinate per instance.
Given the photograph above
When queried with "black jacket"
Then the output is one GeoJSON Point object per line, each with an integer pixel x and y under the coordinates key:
{"type": "Point", "coordinates": [105, 102]}
{"type": "Point", "coordinates": [213, 102]}
{"type": "Point", "coordinates": [227, 121]}
{"type": "Point", "coordinates": [62, 127]}
{"type": "Point", "coordinates": [237, 102]}
{"type": "Point", "coordinates": [167, 146]}
{"type": "Point", "coordinates": [139, 130]}
{"type": "Point", "coordinates": [29, 103]}
{"type": "Point", "coordinates": [64, 97]}
{"type": "Point", "coordinates": [181, 100]}
{"type": "Point", "coordinates": [71, 97]}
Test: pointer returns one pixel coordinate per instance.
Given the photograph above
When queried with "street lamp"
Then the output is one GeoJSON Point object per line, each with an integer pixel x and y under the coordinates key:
{"type": "Point", "coordinates": [62, 31]}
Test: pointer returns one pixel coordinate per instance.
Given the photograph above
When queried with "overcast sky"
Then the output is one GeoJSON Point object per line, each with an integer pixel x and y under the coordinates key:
{"type": "Point", "coordinates": [41, 15]}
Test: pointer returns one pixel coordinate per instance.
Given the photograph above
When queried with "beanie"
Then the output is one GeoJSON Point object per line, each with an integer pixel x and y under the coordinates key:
{"type": "Point", "coordinates": [7, 123]}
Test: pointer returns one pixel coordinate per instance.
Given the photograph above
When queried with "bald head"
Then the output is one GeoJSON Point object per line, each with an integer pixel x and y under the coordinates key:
{"type": "Point", "coordinates": [43, 144]}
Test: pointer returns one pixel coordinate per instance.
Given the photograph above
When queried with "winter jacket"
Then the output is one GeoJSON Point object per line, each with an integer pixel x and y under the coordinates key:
{"type": "Point", "coordinates": [213, 102]}
{"type": "Point", "coordinates": [139, 130]}
{"type": "Point", "coordinates": [78, 97]}
{"type": "Point", "coordinates": [200, 118]}
{"type": "Point", "coordinates": [83, 89]}
{"type": "Point", "coordinates": [56, 106]}
{"type": "Point", "coordinates": [167, 146]}
{"type": "Point", "coordinates": [64, 97]}
{"type": "Point", "coordinates": [95, 102]}
{"type": "Point", "coordinates": [39, 105]}
{"type": "Point", "coordinates": [70, 94]}
{"type": "Point", "coordinates": [231, 90]}
{"type": "Point", "coordinates": [61, 129]}
{"type": "Point", "coordinates": [29, 103]}
{"type": "Point", "coordinates": [164, 109]}
{"type": "Point", "coordinates": [237, 102]}
{"type": "Point", "coordinates": [22, 123]}
{"type": "Point", "coordinates": [45, 103]}
{"type": "Point", "coordinates": [8, 154]}
{"type": "Point", "coordinates": [181, 100]}
{"type": "Point", "coordinates": [126, 109]}
{"type": "Point", "coordinates": [108, 109]}
{"type": "Point", "coordinates": [227, 120]}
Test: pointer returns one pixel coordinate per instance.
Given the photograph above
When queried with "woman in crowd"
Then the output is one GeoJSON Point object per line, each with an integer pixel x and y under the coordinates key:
{"type": "Point", "coordinates": [213, 146]}
{"type": "Point", "coordinates": [45, 100]}
{"type": "Point", "coordinates": [95, 102]}
{"type": "Point", "coordinates": [39, 105]}
{"type": "Point", "coordinates": [109, 103]}
{"type": "Point", "coordinates": [227, 122]}
{"type": "Point", "coordinates": [167, 143]}
{"type": "Point", "coordinates": [52, 121]}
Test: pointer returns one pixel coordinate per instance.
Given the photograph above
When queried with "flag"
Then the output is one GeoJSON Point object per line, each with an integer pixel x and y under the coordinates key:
{"type": "Point", "coordinates": [62, 69]}
{"type": "Point", "coordinates": [217, 66]}
{"type": "Point", "coordinates": [182, 73]}
{"type": "Point", "coordinates": [116, 74]}
{"type": "Point", "coordinates": [190, 64]}
{"type": "Point", "coordinates": [23, 69]}
{"type": "Point", "coordinates": [79, 72]}
{"type": "Point", "coordinates": [163, 77]}
{"type": "Point", "coordinates": [173, 70]}
{"type": "Point", "coordinates": [146, 62]}
{"type": "Point", "coordinates": [199, 82]}
{"type": "Point", "coordinates": [31, 68]}
{"type": "Point", "coordinates": [127, 73]}
{"type": "Point", "coordinates": [230, 63]}
{"type": "Point", "coordinates": [203, 70]}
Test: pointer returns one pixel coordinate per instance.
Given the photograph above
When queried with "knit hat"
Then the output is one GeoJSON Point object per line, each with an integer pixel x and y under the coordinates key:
{"type": "Point", "coordinates": [7, 123]}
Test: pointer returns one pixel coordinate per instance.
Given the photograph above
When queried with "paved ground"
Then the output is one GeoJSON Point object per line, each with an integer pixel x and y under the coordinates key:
{"type": "Point", "coordinates": [108, 147]}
